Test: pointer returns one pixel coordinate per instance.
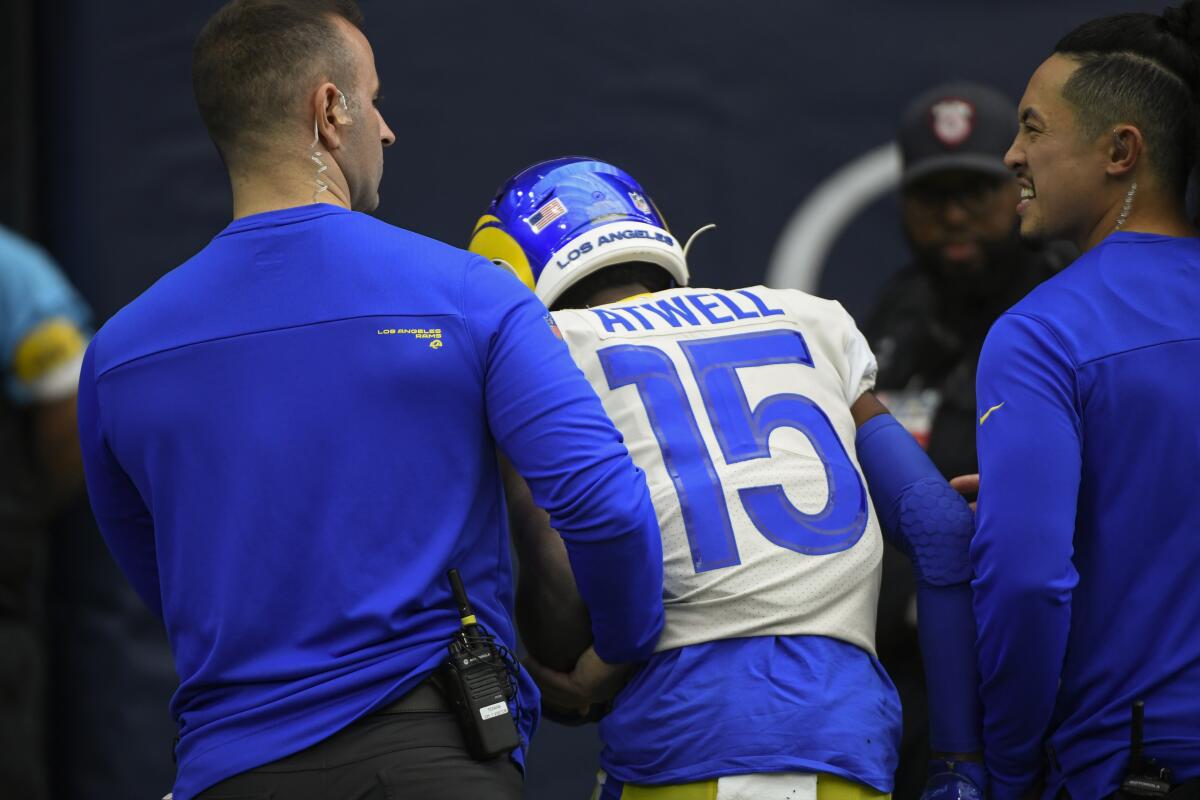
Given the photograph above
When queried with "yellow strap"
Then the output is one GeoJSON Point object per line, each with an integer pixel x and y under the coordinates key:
{"type": "Point", "coordinates": [469, 620]}
{"type": "Point", "coordinates": [831, 787]}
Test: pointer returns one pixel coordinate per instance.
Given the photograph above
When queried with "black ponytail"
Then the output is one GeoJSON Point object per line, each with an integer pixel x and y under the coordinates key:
{"type": "Point", "coordinates": [1183, 23]}
{"type": "Point", "coordinates": [1142, 69]}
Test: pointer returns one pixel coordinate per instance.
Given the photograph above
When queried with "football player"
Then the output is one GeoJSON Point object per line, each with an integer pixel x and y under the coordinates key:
{"type": "Point", "coordinates": [750, 412]}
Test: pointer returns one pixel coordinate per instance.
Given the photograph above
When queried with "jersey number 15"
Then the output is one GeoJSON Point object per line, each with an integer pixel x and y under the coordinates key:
{"type": "Point", "coordinates": [743, 433]}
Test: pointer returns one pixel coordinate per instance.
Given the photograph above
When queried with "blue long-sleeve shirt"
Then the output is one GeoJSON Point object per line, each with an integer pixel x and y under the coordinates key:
{"type": "Point", "coordinates": [1087, 553]}
{"type": "Point", "coordinates": [289, 439]}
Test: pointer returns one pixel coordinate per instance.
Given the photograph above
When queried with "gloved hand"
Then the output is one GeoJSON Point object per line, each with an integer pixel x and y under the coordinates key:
{"type": "Point", "coordinates": [955, 780]}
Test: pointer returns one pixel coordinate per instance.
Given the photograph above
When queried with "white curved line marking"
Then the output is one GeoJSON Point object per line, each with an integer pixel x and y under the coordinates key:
{"type": "Point", "coordinates": [814, 227]}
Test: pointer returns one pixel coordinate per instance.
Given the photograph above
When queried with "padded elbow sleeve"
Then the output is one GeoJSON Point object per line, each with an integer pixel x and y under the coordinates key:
{"type": "Point", "coordinates": [918, 511]}
{"type": "Point", "coordinates": [922, 515]}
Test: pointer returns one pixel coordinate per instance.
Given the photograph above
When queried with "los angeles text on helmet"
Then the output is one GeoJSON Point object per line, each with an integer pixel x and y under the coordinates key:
{"type": "Point", "coordinates": [565, 260]}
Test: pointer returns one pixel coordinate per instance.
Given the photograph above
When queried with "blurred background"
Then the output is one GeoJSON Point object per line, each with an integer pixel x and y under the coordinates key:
{"type": "Point", "coordinates": [772, 119]}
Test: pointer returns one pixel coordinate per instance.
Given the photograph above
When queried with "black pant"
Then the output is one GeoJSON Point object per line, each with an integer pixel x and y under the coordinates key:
{"type": "Point", "coordinates": [22, 657]}
{"type": "Point", "coordinates": [23, 660]}
{"type": "Point", "coordinates": [384, 756]}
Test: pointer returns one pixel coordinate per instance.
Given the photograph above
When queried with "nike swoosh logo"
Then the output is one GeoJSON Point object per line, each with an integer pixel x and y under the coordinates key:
{"type": "Point", "coordinates": [988, 413]}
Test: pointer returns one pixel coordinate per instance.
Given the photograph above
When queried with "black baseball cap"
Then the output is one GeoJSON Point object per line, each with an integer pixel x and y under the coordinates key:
{"type": "Point", "coordinates": [957, 126]}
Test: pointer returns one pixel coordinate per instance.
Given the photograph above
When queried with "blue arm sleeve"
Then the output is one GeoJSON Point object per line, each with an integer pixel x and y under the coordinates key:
{"type": "Point", "coordinates": [121, 514]}
{"type": "Point", "coordinates": [1029, 459]}
{"type": "Point", "coordinates": [549, 422]}
{"type": "Point", "coordinates": [932, 524]}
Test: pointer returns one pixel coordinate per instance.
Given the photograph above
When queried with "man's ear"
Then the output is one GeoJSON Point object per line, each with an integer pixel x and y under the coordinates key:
{"type": "Point", "coordinates": [341, 109]}
{"type": "Point", "coordinates": [331, 113]}
{"type": "Point", "coordinates": [1126, 147]}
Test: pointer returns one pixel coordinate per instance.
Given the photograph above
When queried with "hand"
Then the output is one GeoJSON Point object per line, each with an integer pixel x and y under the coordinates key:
{"type": "Point", "coordinates": [967, 486]}
{"type": "Point", "coordinates": [955, 780]}
{"type": "Point", "coordinates": [591, 681]}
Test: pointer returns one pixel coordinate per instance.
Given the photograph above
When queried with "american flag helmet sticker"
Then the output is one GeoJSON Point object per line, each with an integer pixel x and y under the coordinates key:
{"type": "Point", "coordinates": [541, 219]}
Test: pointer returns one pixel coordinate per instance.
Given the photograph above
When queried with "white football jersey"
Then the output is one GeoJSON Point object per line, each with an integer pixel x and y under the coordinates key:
{"type": "Point", "coordinates": [736, 404]}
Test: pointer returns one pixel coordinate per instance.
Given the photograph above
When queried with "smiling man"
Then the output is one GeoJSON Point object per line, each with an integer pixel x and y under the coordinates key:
{"type": "Point", "coordinates": [958, 203]}
{"type": "Point", "coordinates": [1087, 555]}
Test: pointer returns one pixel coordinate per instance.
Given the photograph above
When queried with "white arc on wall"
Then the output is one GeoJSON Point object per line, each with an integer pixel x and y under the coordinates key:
{"type": "Point", "coordinates": [799, 257]}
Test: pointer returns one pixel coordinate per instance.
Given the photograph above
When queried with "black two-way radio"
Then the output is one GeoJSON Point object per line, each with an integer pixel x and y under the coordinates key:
{"type": "Point", "coordinates": [480, 679]}
{"type": "Point", "coordinates": [1145, 777]}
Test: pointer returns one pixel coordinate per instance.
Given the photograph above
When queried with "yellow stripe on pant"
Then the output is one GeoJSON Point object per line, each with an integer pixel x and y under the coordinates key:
{"type": "Point", "coordinates": [829, 787]}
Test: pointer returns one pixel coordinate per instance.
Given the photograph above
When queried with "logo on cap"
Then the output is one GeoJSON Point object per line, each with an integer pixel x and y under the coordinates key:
{"type": "Point", "coordinates": [639, 202]}
{"type": "Point", "coordinates": [953, 120]}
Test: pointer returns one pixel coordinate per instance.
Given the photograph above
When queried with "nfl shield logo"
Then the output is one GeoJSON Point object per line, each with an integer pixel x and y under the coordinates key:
{"type": "Point", "coordinates": [953, 120]}
{"type": "Point", "coordinates": [639, 202]}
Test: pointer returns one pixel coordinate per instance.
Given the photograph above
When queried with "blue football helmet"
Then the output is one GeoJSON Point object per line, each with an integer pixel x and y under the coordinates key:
{"type": "Point", "coordinates": [559, 221]}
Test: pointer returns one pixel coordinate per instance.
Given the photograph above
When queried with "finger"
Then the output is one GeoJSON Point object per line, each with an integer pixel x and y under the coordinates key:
{"type": "Point", "coordinates": [558, 688]}
{"type": "Point", "coordinates": [965, 484]}
{"type": "Point", "coordinates": [597, 679]}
